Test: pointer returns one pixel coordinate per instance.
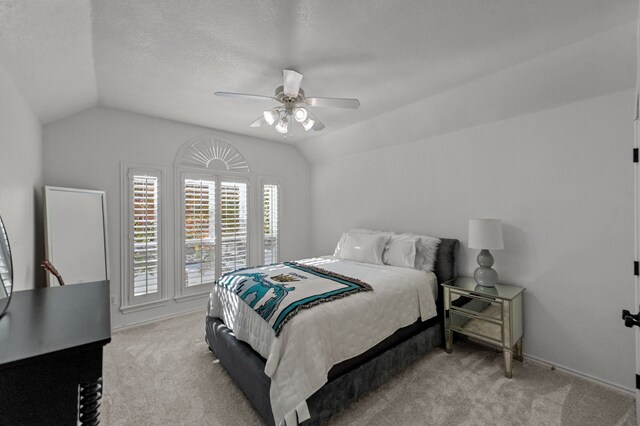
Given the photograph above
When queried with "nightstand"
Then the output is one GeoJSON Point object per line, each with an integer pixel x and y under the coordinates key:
{"type": "Point", "coordinates": [490, 314]}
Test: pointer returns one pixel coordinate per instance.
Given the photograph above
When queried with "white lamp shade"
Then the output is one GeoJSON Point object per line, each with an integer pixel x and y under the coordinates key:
{"type": "Point", "coordinates": [283, 125]}
{"type": "Point", "coordinates": [300, 114]}
{"type": "Point", "coordinates": [271, 116]}
{"type": "Point", "coordinates": [308, 124]}
{"type": "Point", "coordinates": [485, 234]}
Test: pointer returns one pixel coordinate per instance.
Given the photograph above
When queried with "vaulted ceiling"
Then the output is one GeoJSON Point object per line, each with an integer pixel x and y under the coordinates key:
{"type": "Point", "coordinates": [167, 58]}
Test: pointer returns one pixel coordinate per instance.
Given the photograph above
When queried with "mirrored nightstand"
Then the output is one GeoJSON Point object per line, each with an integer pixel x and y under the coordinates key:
{"type": "Point", "coordinates": [490, 314]}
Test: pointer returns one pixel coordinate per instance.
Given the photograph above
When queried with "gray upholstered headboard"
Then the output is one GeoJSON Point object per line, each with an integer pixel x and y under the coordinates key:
{"type": "Point", "coordinates": [445, 267]}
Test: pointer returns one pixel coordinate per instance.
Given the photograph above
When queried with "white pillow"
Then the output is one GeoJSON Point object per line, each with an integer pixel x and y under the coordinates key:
{"type": "Point", "coordinates": [336, 252]}
{"type": "Point", "coordinates": [340, 244]}
{"type": "Point", "coordinates": [401, 251]}
{"type": "Point", "coordinates": [366, 248]}
{"type": "Point", "coordinates": [426, 251]}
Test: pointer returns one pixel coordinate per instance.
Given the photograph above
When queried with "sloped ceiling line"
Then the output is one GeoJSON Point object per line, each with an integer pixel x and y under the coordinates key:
{"type": "Point", "coordinates": [166, 59]}
{"type": "Point", "coordinates": [46, 48]}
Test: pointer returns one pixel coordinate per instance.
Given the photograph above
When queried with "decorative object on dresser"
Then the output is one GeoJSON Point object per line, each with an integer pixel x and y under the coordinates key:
{"type": "Point", "coordinates": [490, 314]}
{"type": "Point", "coordinates": [47, 266]}
{"type": "Point", "coordinates": [6, 270]}
{"type": "Point", "coordinates": [485, 234]}
{"type": "Point", "coordinates": [51, 343]}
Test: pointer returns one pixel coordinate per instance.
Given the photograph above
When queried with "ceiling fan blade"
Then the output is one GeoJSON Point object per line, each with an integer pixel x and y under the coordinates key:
{"type": "Point", "coordinates": [259, 122]}
{"type": "Point", "coordinates": [245, 96]}
{"type": "Point", "coordinates": [317, 124]}
{"type": "Point", "coordinates": [292, 82]}
{"type": "Point", "coordinates": [333, 102]}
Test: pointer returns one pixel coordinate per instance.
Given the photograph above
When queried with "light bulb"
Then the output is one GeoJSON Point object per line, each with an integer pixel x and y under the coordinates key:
{"type": "Point", "coordinates": [271, 116]}
{"type": "Point", "coordinates": [300, 114]}
{"type": "Point", "coordinates": [308, 124]}
{"type": "Point", "coordinates": [283, 125]}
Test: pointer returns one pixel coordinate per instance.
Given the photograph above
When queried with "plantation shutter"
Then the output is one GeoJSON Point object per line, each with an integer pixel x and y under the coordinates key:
{"type": "Point", "coordinates": [199, 231]}
{"type": "Point", "coordinates": [145, 235]}
{"type": "Point", "coordinates": [233, 225]}
{"type": "Point", "coordinates": [270, 223]}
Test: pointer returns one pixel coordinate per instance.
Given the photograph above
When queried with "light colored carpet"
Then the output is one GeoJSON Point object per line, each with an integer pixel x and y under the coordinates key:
{"type": "Point", "coordinates": [164, 374]}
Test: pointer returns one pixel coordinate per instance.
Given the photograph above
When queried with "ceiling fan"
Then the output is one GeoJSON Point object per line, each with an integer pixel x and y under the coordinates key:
{"type": "Point", "coordinates": [294, 105]}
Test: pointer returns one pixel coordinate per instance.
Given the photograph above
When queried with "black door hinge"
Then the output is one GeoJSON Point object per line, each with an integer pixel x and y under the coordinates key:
{"type": "Point", "coordinates": [636, 268]}
{"type": "Point", "coordinates": [635, 155]}
{"type": "Point", "coordinates": [637, 382]}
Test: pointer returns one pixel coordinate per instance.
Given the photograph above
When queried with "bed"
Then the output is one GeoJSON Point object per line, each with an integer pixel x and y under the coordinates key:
{"type": "Point", "coordinates": [354, 373]}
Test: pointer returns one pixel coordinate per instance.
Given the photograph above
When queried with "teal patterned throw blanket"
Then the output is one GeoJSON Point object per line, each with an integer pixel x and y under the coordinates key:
{"type": "Point", "coordinates": [279, 292]}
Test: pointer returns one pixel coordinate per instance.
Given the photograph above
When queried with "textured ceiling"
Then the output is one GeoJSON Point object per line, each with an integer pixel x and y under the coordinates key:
{"type": "Point", "coordinates": [167, 58]}
{"type": "Point", "coordinates": [45, 46]}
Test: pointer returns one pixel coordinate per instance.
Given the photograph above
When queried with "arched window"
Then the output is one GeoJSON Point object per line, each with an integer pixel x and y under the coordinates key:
{"type": "Point", "coordinates": [213, 181]}
{"type": "Point", "coordinates": [213, 153]}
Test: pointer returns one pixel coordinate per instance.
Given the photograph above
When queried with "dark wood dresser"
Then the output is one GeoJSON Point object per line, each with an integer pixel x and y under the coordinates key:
{"type": "Point", "coordinates": [51, 342]}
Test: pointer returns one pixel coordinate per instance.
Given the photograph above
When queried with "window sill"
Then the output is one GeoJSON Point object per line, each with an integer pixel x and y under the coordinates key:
{"type": "Point", "coordinates": [192, 296]}
{"type": "Point", "coordinates": [143, 306]}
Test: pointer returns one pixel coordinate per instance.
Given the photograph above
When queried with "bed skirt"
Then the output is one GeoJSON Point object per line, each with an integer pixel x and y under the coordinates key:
{"type": "Point", "coordinates": [348, 381]}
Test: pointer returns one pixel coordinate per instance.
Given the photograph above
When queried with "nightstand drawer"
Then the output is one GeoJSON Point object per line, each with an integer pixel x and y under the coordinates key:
{"type": "Point", "coordinates": [481, 307]}
{"type": "Point", "coordinates": [473, 326]}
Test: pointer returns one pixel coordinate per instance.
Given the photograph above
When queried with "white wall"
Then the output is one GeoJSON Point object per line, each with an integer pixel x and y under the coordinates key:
{"type": "Point", "coordinates": [86, 150]}
{"type": "Point", "coordinates": [602, 64]}
{"type": "Point", "coordinates": [20, 183]}
{"type": "Point", "coordinates": [562, 182]}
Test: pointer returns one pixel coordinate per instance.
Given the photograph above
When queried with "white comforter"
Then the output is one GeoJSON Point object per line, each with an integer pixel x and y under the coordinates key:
{"type": "Point", "coordinates": [316, 339]}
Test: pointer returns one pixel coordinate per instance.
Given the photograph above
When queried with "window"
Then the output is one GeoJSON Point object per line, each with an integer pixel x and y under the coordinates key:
{"type": "Point", "coordinates": [270, 211]}
{"type": "Point", "coordinates": [199, 231]}
{"type": "Point", "coordinates": [144, 268]}
{"type": "Point", "coordinates": [233, 225]}
{"type": "Point", "coordinates": [215, 231]}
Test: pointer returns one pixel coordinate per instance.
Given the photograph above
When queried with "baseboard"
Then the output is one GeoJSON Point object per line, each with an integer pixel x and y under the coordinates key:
{"type": "Point", "coordinates": [571, 371]}
{"type": "Point", "coordinates": [613, 386]}
{"type": "Point", "coordinates": [162, 318]}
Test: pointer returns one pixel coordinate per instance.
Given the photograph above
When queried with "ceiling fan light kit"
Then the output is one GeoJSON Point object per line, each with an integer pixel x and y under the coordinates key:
{"type": "Point", "coordinates": [300, 114]}
{"type": "Point", "coordinates": [294, 104]}
{"type": "Point", "coordinates": [283, 125]}
{"type": "Point", "coordinates": [271, 116]}
{"type": "Point", "coordinates": [308, 124]}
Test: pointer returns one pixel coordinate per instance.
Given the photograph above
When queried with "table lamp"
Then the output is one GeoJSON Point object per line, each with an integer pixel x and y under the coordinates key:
{"type": "Point", "coordinates": [485, 234]}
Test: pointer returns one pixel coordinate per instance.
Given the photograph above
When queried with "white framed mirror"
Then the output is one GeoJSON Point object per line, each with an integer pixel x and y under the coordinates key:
{"type": "Point", "coordinates": [76, 234]}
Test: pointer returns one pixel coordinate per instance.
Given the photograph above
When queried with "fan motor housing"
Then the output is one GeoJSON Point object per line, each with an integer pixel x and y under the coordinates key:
{"type": "Point", "coordinates": [288, 102]}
